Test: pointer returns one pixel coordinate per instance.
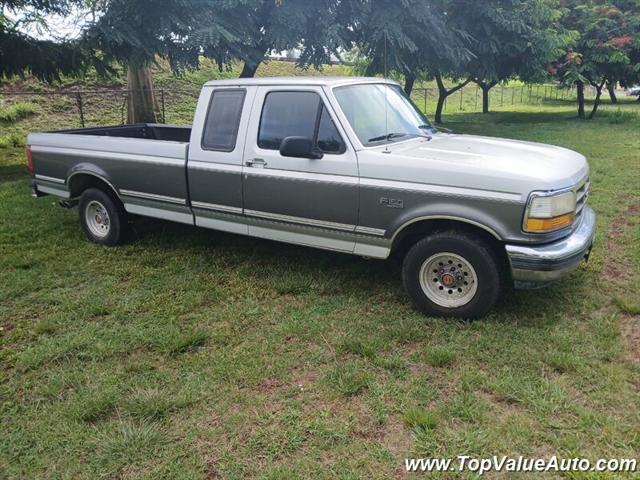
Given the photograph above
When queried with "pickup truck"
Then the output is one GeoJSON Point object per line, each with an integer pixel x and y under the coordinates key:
{"type": "Point", "coordinates": [344, 164]}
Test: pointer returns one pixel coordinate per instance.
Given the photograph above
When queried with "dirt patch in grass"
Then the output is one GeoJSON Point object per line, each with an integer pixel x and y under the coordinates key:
{"type": "Point", "coordinates": [399, 441]}
{"type": "Point", "coordinates": [630, 326]}
{"type": "Point", "coordinates": [501, 406]}
{"type": "Point", "coordinates": [615, 269]}
{"type": "Point", "coordinates": [269, 384]}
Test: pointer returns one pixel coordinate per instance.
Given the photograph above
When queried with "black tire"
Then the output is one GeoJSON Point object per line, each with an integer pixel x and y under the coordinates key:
{"type": "Point", "coordinates": [110, 230]}
{"type": "Point", "coordinates": [486, 269]}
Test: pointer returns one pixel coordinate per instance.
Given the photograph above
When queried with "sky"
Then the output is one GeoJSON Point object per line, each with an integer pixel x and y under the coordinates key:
{"type": "Point", "coordinates": [59, 26]}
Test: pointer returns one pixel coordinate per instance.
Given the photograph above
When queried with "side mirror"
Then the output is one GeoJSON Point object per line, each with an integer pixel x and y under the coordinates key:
{"type": "Point", "coordinates": [300, 147]}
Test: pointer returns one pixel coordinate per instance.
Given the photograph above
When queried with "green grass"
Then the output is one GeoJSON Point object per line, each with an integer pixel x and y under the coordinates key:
{"type": "Point", "coordinates": [17, 111]}
{"type": "Point", "coordinates": [190, 353]}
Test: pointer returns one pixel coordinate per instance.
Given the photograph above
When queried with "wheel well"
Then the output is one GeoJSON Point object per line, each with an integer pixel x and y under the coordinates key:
{"type": "Point", "coordinates": [79, 182]}
{"type": "Point", "coordinates": [411, 234]}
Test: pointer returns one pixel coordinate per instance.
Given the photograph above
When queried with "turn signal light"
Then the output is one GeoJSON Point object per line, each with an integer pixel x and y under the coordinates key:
{"type": "Point", "coordinates": [548, 224]}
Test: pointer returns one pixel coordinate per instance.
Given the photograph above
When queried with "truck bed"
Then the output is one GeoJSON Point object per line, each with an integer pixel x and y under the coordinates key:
{"type": "Point", "coordinates": [149, 131]}
{"type": "Point", "coordinates": [144, 164]}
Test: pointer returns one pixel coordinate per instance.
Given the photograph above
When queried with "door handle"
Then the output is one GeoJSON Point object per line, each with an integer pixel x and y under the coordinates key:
{"type": "Point", "coordinates": [256, 162]}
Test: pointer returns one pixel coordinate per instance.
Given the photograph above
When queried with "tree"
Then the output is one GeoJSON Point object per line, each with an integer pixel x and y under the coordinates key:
{"type": "Point", "coordinates": [512, 38]}
{"type": "Point", "coordinates": [405, 37]}
{"type": "Point", "coordinates": [257, 27]}
{"type": "Point", "coordinates": [605, 50]}
{"type": "Point", "coordinates": [134, 33]}
{"type": "Point", "coordinates": [413, 38]}
{"type": "Point", "coordinates": [22, 54]}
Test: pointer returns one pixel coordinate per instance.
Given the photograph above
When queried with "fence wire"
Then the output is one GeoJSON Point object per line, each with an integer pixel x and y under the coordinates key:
{"type": "Point", "coordinates": [110, 106]}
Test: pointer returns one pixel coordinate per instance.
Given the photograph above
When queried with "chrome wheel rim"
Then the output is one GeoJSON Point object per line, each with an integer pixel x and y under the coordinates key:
{"type": "Point", "coordinates": [97, 219]}
{"type": "Point", "coordinates": [448, 280]}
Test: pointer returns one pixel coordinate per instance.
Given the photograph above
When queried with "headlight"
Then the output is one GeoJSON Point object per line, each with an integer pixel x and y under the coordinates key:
{"type": "Point", "coordinates": [546, 213]}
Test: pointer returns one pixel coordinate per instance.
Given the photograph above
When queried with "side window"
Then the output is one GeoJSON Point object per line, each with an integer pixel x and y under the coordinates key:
{"type": "Point", "coordinates": [286, 114]}
{"type": "Point", "coordinates": [329, 140]}
{"type": "Point", "coordinates": [223, 119]}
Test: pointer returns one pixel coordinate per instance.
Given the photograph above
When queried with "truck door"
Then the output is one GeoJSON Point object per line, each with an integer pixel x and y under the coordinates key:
{"type": "Point", "coordinates": [299, 200]}
{"type": "Point", "coordinates": [214, 167]}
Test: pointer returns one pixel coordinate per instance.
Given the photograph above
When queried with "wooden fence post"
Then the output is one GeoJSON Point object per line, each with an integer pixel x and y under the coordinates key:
{"type": "Point", "coordinates": [80, 108]}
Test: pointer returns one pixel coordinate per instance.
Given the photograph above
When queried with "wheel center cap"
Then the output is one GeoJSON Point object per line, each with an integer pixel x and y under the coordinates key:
{"type": "Point", "coordinates": [448, 280]}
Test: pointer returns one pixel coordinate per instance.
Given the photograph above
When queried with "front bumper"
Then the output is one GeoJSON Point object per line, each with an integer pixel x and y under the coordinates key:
{"type": "Point", "coordinates": [535, 265]}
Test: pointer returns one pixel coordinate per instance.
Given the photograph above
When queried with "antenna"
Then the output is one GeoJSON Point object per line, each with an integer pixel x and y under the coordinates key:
{"type": "Point", "coordinates": [386, 103]}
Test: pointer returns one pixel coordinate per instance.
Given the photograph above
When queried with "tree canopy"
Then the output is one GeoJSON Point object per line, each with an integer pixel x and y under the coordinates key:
{"type": "Point", "coordinates": [606, 46]}
{"type": "Point", "coordinates": [582, 42]}
{"type": "Point", "coordinates": [21, 54]}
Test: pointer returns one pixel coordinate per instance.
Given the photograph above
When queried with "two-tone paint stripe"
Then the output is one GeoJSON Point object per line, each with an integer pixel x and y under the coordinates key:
{"type": "Point", "coordinates": [288, 219]}
{"type": "Point", "coordinates": [216, 207]}
{"type": "Point", "coordinates": [46, 178]}
{"type": "Point", "coordinates": [153, 196]}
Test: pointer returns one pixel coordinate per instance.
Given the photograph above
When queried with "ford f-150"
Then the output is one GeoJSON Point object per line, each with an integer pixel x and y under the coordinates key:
{"type": "Point", "coordinates": [345, 164]}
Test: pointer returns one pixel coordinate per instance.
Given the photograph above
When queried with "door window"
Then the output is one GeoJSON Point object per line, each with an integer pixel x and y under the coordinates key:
{"type": "Point", "coordinates": [286, 114]}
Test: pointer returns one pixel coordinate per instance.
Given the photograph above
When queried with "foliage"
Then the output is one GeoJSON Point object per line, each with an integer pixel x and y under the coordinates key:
{"type": "Point", "coordinates": [17, 111]}
{"type": "Point", "coordinates": [256, 27]}
{"type": "Point", "coordinates": [606, 48]}
{"type": "Point", "coordinates": [407, 37]}
{"type": "Point", "coordinates": [21, 54]}
{"type": "Point", "coordinates": [135, 32]}
{"type": "Point", "coordinates": [512, 38]}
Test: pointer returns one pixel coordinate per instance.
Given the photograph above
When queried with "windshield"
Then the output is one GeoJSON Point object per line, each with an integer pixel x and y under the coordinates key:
{"type": "Point", "coordinates": [364, 107]}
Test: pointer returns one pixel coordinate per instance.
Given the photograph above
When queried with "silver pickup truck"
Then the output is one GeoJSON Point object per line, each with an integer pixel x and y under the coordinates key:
{"type": "Point", "coordinates": [345, 164]}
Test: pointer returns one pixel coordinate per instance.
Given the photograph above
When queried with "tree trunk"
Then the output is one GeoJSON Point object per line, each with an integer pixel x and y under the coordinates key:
{"type": "Point", "coordinates": [443, 93]}
{"type": "Point", "coordinates": [611, 88]}
{"type": "Point", "coordinates": [596, 102]}
{"type": "Point", "coordinates": [580, 95]}
{"type": "Point", "coordinates": [142, 106]}
{"type": "Point", "coordinates": [485, 99]}
{"type": "Point", "coordinates": [249, 69]}
{"type": "Point", "coordinates": [442, 96]}
{"type": "Point", "coordinates": [409, 80]}
{"type": "Point", "coordinates": [485, 87]}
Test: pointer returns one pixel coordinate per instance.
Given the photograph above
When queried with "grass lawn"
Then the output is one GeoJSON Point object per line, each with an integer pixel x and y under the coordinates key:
{"type": "Point", "coordinates": [191, 353]}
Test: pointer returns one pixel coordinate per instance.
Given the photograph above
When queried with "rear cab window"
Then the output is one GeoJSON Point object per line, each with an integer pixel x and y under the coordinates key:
{"type": "Point", "coordinates": [223, 119]}
{"type": "Point", "coordinates": [298, 113]}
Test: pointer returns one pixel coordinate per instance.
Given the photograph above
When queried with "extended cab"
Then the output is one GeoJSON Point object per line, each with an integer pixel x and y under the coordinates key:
{"type": "Point", "coordinates": [345, 164]}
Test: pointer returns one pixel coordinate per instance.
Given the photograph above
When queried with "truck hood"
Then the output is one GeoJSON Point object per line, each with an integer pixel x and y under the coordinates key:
{"type": "Point", "coordinates": [489, 163]}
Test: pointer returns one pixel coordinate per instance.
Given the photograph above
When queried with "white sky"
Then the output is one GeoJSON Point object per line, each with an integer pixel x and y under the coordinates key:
{"type": "Point", "coordinates": [59, 27]}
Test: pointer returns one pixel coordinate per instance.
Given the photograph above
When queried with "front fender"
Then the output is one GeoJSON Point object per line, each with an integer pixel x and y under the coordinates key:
{"type": "Point", "coordinates": [500, 218]}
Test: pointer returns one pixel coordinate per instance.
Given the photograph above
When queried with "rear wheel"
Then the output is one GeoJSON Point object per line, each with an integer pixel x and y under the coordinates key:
{"type": "Point", "coordinates": [451, 274]}
{"type": "Point", "coordinates": [102, 217]}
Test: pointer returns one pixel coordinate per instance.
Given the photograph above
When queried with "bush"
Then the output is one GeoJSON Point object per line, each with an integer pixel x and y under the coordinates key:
{"type": "Point", "coordinates": [17, 111]}
{"type": "Point", "coordinates": [12, 140]}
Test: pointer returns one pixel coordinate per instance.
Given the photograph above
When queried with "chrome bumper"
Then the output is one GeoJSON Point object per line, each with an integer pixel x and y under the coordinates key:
{"type": "Point", "coordinates": [533, 266]}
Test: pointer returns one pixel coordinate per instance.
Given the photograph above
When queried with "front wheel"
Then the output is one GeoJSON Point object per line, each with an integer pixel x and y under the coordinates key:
{"type": "Point", "coordinates": [102, 217]}
{"type": "Point", "coordinates": [451, 274]}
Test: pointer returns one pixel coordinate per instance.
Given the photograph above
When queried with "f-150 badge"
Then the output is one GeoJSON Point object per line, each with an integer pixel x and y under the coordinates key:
{"type": "Point", "coordinates": [391, 202]}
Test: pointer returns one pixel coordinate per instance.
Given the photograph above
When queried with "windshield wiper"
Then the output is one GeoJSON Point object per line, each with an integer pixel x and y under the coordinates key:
{"type": "Point", "coordinates": [388, 136]}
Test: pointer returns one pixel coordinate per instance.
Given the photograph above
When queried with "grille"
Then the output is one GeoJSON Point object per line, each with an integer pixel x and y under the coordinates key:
{"type": "Point", "coordinates": [582, 194]}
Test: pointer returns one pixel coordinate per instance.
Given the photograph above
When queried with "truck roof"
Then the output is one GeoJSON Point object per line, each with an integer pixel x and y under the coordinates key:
{"type": "Point", "coordinates": [323, 81]}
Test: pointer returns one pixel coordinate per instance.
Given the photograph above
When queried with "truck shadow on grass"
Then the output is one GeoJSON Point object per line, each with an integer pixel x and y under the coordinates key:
{"type": "Point", "coordinates": [12, 173]}
{"type": "Point", "coordinates": [298, 270]}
